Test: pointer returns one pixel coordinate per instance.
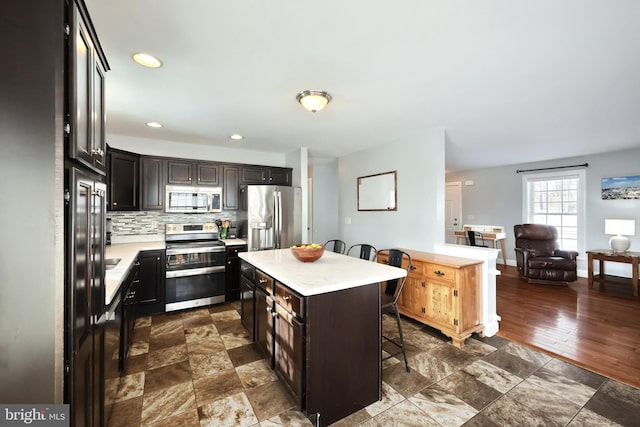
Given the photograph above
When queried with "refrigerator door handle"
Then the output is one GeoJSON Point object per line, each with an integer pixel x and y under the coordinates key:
{"type": "Point", "coordinates": [277, 218]}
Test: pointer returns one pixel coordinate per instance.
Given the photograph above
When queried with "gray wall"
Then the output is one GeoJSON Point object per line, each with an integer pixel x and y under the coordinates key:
{"type": "Point", "coordinates": [496, 198]}
{"type": "Point", "coordinates": [419, 221]}
{"type": "Point", "coordinates": [325, 201]}
{"type": "Point", "coordinates": [31, 212]}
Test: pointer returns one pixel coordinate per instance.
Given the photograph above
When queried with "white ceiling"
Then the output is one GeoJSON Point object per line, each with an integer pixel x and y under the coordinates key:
{"type": "Point", "coordinates": [511, 81]}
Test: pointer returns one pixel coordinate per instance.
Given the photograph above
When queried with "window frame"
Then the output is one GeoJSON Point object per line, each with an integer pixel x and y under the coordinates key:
{"type": "Point", "coordinates": [580, 203]}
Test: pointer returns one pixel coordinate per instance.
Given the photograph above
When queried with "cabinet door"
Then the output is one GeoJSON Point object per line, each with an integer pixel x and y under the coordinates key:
{"type": "Point", "coordinates": [86, 296]}
{"type": "Point", "coordinates": [440, 304]}
{"type": "Point", "coordinates": [280, 176]}
{"type": "Point", "coordinates": [152, 183]}
{"type": "Point", "coordinates": [412, 299]}
{"type": "Point", "coordinates": [289, 361]}
{"type": "Point", "coordinates": [247, 305]}
{"type": "Point", "coordinates": [207, 174]}
{"type": "Point", "coordinates": [231, 191]}
{"type": "Point", "coordinates": [264, 324]}
{"type": "Point", "coordinates": [150, 297]}
{"type": "Point", "coordinates": [82, 70]}
{"type": "Point", "coordinates": [99, 145]}
{"type": "Point", "coordinates": [254, 175]}
{"type": "Point", "coordinates": [180, 172]}
{"type": "Point", "coordinates": [123, 180]}
{"type": "Point", "coordinates": [232, 273]}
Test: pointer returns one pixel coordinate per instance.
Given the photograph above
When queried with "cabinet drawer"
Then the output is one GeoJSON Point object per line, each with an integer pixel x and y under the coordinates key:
{"type": "Point", "coordinates": [290, 300]}
{"type": "Point", "coordinates": [264, 281]}
{"type": "Point", "coordinates": [440, 272]}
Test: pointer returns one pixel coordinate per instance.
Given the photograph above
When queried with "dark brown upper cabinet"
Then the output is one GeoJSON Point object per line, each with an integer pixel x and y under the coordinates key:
{"type": "Point", "coordinates": [265, 175]}
{"type": "Point", "coordinates": [123, 181]}
{"type": "Point", "coordinates": [85, 124]}
{"type": "Point", "coordinates": [193, 173]}
{"type": "Point", "coordinates": [231, 190]}
{"type": "Point", "coordinates": [152, 178]}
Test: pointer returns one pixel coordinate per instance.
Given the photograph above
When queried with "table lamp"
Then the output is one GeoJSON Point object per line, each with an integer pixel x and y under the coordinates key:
{"type": "Point", "coordinates": [619, 228]}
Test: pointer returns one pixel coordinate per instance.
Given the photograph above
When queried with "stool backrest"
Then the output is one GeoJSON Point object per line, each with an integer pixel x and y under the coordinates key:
{"type": "Point", "coordinates": [396, 259]}
{"type": "Point", "coordinates": [337, 246]}
{"type": "Point", "coordinates": [363, 251]}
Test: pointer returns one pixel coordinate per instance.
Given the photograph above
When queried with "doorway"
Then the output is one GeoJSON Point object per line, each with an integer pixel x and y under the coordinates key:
{"type": "Point", "coordinates": [453, 210]}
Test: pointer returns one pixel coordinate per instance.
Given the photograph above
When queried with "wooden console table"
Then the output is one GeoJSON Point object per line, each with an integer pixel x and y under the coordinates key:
{"type": "Point", "coordinates": [602, 255]}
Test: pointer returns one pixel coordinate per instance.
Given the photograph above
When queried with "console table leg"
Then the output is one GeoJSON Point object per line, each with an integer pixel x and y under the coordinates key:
{"type": "Point", "coordinates": [634, 275]}
{"type": "Point", "coordinates": [590, 269]}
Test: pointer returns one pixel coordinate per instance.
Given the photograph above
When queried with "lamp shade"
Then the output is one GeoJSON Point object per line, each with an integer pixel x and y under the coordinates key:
{"type": "Point", "coordinates": [313, 100]}
{"type": "Point", "coordinates": [622, 227]}
{"type": "Point", "coordinates": [619, 228]}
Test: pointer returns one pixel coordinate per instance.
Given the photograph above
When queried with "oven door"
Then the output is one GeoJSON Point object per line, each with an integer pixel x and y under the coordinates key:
{"type": "Point", "coordinates": [195, 277]}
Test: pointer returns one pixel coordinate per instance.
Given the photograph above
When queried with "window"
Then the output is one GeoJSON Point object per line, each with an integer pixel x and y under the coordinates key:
{"type": "Point", "coordinates": [557, 199]}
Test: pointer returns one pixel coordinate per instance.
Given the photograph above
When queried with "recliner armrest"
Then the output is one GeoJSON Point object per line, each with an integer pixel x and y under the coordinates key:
{"type": "Point", "coordinates": [522, 260]}
{"type": "Point", "coordinates": [568, 254]}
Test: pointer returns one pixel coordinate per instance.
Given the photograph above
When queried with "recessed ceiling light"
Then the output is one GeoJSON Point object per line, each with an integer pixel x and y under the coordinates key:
{"type": "Point", "coordinates": [154, 124]}
{"type": "Point", "coordinates": [147, 60]}
{"type": "Point", "coordinates": [236, 137]}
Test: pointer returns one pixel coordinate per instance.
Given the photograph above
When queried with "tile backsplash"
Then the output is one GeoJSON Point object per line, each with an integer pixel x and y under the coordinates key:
{"type": "Point", "coordinates": [151, 222]}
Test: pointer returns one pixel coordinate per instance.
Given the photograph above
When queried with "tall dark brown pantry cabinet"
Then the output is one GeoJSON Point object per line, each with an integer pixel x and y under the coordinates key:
{"type": "Point", "coordinates": [85, 207]}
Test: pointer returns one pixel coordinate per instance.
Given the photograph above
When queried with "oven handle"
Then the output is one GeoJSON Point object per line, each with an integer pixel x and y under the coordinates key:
{"type": "Point", "coordinates": [183, 251]}
{"type": "Point", "coordinates": [195, 272]}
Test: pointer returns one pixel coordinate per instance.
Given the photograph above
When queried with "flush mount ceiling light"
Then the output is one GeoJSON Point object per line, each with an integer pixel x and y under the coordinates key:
{"type": "Point", "coordinates": [147, 60]}
{"type": "Point", "coordinates": [154, 124]}
{"type": "Point", "coordinates": [313, 100]}
{"type": "Point", "coordinates": [236, 137]}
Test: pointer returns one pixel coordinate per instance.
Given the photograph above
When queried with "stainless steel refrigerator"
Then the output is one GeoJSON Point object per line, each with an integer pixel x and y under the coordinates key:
{"type": "Point", "coordinates": [273, 216]}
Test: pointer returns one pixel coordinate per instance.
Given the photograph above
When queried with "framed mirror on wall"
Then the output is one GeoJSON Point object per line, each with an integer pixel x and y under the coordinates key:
{"type": "Point", "coordinates": [378, 192]}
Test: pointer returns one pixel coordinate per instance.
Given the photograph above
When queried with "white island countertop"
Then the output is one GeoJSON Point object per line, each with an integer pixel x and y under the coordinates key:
{"type": "Point", "coordinates": [332, 272]}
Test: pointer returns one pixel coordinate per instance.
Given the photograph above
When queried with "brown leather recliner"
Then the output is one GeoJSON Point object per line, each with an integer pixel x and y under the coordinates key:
{"type": "Point", "coordinates": [538, 256]}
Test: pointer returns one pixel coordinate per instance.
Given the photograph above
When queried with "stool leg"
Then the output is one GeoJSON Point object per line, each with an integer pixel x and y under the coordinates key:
{"type": "Point", "coordinates": [404, 353]}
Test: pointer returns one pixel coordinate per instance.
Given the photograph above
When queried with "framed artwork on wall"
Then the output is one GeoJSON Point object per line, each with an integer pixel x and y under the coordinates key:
{"type": "Point", "coordinates": [621, 187]}
{"type": "Point", "coordinates": [378, 192]}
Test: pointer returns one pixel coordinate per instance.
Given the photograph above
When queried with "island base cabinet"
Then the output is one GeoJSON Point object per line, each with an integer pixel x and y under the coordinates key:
{"type": "Point", "coordinates": [264, 324]}
{"type": "Point", "coordinates": [289, 351]}
{"type": "Point", "coordinates": [343, 353]}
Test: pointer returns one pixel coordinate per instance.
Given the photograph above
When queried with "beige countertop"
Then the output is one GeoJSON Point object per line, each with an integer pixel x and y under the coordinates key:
{"type": "Point", "coordinates": [234, 242]}
{"type": "Point", "coordinates": [127, 252]}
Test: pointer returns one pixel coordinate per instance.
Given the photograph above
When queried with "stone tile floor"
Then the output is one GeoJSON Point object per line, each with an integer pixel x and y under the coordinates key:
{"type": "Point", "coordinates": [198, 368]}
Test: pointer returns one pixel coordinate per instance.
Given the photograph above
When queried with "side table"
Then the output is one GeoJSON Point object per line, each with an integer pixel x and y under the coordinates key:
{"type": "Point", "coordinates": [602, 255]}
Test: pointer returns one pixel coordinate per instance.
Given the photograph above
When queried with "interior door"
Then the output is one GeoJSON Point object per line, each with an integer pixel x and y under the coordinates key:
{"type": "Point", "coordinates": [453, 210]}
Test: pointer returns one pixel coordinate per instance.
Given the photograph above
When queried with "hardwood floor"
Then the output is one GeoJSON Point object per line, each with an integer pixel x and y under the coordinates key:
{"type": "Point", "coordinates": [596, 329]}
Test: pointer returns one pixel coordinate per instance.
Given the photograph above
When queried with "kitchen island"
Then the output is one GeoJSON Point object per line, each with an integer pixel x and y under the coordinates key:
{"type": "Point", "coordinates": [319, 324]}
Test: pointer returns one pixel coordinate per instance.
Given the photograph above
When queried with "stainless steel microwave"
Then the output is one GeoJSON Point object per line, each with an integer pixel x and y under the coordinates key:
{"type": "Point", "coordinates": [184, 199]}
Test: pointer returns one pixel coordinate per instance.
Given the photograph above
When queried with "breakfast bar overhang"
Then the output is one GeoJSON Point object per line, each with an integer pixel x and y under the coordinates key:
{"type": "Point", "coordinates": [336, 305]}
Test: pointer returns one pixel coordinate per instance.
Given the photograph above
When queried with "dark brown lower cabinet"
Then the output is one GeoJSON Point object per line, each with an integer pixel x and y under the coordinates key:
{"type": "Point", "coordinates": [150, 298]}
{"type": "Point", "coordinates": [264, 323]}
{"type": "Point", "coordinates": [289, 351]}
{"type": "Point", "coordinates": [325, 348]}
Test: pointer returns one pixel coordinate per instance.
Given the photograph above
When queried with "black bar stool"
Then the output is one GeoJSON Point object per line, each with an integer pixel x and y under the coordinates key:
{"type": "Point", "coordinates": [389, 298]}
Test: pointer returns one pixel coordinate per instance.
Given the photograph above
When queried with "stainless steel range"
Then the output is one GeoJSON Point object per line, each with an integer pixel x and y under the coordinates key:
{"type": "Point", "coordinates": [195, 266]}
